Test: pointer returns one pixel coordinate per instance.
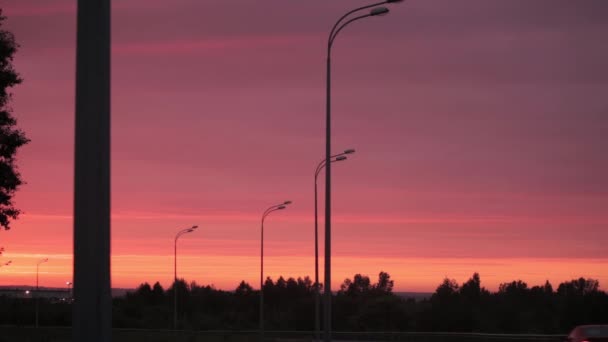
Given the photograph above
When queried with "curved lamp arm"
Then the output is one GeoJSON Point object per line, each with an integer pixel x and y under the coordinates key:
{"type": "Point", "coordinates": [332, 35]}
{"type": "Point", "coordinates": [331, 41]}
{"type": "Point", "coordinates": [267, 211]}
{"type": "Point", "coordinates": [334, 158]}
{"type": "Point", "coordinates": [185, 231]}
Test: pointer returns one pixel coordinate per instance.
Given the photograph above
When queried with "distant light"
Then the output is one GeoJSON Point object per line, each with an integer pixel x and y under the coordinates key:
{"type": "Point", "coordinates": [27, 292]}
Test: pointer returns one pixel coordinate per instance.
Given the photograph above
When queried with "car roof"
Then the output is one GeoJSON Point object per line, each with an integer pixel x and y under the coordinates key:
{"type": "Point", "coordinates": [594, 330]}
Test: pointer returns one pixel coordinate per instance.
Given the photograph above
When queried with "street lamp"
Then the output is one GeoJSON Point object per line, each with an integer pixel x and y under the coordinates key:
{"type": "Point", "coordinates": [334, 158]}
{"type": "Point", "coordinates": [69, 285]}
{"type": "Point", "coordinates": [266, 213]}
{"type": "Point", "coordinates": [8, 263]}
{"type": "Point", "coordinates": [37, 293]}
{"type": "Point", "coordinates": [338, 26]}
{"type": "Point", "coordinates": [180, 233]}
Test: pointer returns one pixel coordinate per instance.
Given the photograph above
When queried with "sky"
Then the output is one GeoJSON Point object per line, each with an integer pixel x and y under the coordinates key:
{"type": "Point", "coordinates": [479, 126]}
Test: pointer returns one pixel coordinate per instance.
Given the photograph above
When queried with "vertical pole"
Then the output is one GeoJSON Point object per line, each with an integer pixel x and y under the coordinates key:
{"type": "Point", "coordinates": [327, 294]}
{"type": "Point", "coordinates": [92, 311]}
{"type": "Point", "coordinates": [262, 282]}
{"type": "Point", "coordinates": [36, 320]}
{"type": "Point", "coordinates": [317, 290]}
{"type": "Point", "coordinates": [175, 284]}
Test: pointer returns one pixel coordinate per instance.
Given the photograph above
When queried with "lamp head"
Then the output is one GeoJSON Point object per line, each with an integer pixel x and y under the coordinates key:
{"type": "Point", "coordinates": [349, 151]}
{"type": "Point", "coordinates": [194, 227]}
{"type": "Point", "coordinates": [340, 158]}
{"type": "Point", "coordinates": [393, 1]}
{"type": "Point", "coordinates": [286, 202]}
{"type": "Point", "coordinates": [281, 207]}
{"type": "Point", "coordinates": [378, 11]}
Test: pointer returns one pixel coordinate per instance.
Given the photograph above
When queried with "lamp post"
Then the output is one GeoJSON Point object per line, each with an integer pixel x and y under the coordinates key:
{"type": "Point", "coordinates": [320, 166]}
{"type": "Point", "coordinates": [69, 285]}
{"type": "Point", "coordinates": [37, 293]}
{"type": "Point", "coordinates": [266, 213]}
{"type": "Point", "coordinates": [338, 26]}
{"type": "Point", "coordinates": [180, 233]}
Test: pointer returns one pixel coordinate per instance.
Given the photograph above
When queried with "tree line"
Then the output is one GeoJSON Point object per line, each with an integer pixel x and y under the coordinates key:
{"type": "Point", "coordinates": [359, 305]}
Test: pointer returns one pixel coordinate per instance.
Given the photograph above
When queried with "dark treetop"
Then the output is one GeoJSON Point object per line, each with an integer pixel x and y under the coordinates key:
{"type": "Point", "coordinates": [11, 138]}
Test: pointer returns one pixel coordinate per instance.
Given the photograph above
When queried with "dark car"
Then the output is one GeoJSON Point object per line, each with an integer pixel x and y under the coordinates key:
{"type": "Point", "coordinates": [589, 333]}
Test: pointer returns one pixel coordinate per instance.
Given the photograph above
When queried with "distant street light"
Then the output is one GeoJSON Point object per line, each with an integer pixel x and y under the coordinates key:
{"type": "Point", "coordinates": [8, 263]}
{"type": "Point", "coordinates": [180, 233]}
{"type": "Point", "coordinates": [69, 285]}
{"type": "Point", "coordinates": [338, 26]}
{"type": "Point", "coordinates": [37, 293]}
{"type": "Point", "coordinates": [334, 158]}
{"type": "Point", "coordinates": [266, 213]}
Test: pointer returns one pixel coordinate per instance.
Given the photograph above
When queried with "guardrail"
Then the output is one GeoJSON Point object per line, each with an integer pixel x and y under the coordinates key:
{"type": "Point", "coordinates": [64, 334]}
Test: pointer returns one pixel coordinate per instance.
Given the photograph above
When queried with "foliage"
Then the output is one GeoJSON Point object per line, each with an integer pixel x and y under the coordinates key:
{"type": "Point", "coordinates": [359, 305]}
{"type": "Point", "coordinates": [11, 138]}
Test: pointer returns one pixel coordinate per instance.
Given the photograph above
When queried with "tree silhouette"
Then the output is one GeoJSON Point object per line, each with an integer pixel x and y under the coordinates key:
{"type": "Point", "coordinates": [515, 308]}
{"type": "Point", "coordinates": [446, 290]}
{"type": "Point", "coordinates": [243, 289]}
{"type": "Point", "coordinates": [471, 290]}
{"type": "Point", "coordinates": [578, 287]}
{"type": "Point", "coordinates": [359, 285]}
{"type": "Point", "coordinates": [385, 284]}
{"type": "Point", "coordinates": [578, 299]}
{"type": "Point", "coordinates": [11, 138]}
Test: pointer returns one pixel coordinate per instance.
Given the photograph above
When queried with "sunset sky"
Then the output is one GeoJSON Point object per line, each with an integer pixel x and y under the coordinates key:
{"type": "Point", "coordinates": [480, 126]}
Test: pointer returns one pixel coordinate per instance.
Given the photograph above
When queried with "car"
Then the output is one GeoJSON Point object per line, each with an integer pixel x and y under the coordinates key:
{"type": "Point", "coordinates": [589, 333]}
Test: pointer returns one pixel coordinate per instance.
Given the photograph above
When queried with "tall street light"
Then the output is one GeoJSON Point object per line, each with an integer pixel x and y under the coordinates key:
{"type": "Point", "coordinates": [266, 213]}
{"type": "Point", "coordinates": [37, 293]}
{"type": "Point", "coordinates": [334, 158]}
{"type": "Point", "coordinates": [338, 26]}
{"type": "Point", "coordinates": [180, 233]}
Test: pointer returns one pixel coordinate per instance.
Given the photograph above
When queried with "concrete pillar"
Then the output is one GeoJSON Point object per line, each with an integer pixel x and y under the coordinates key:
{"type": "Point", "coordinates": [92, 308]}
